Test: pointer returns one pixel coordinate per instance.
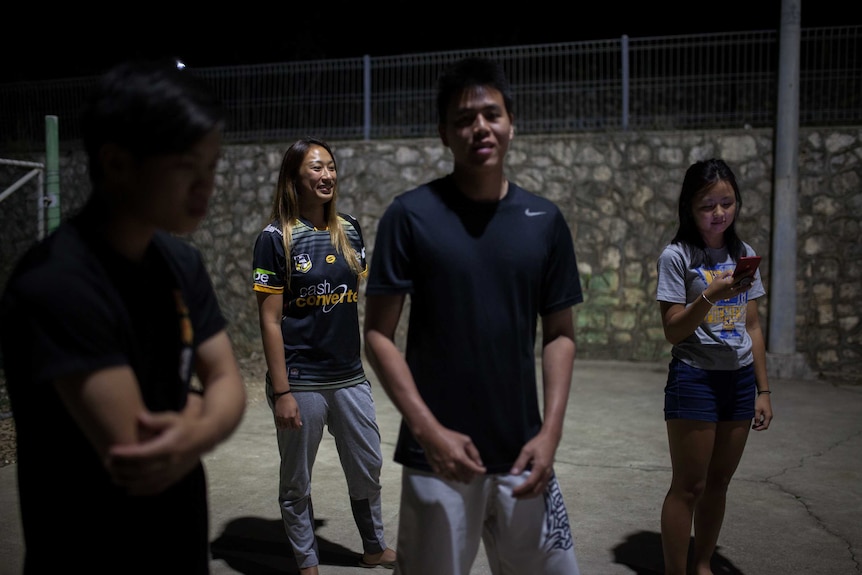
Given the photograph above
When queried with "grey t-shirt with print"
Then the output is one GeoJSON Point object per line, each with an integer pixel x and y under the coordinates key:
{"type": "Point", "coordinates": [721, 340]}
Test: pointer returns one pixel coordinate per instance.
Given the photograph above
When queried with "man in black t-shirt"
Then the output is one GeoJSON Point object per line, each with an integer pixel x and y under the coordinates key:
{"type": "Point", "coordinates": [105, 325]}
{"type": "Point", "coordinates": [482, 260]}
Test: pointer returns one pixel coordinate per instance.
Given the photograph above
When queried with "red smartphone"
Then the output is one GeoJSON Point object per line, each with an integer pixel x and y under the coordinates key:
{"type": "Point", "coordinates": [745, 268]}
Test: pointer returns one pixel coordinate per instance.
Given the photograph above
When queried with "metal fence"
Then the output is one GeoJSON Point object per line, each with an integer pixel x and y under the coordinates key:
{"type": "Point", "coordinates": [724, 80]}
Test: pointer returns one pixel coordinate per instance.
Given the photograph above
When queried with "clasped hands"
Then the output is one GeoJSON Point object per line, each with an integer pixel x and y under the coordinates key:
{"type": "Point", "coordinates": [169, 447]}
{"type": "Point", "coordinates": [454, 457]}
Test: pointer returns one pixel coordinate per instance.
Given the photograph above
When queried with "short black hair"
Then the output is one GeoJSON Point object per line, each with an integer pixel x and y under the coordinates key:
{"type": "Point", "coordinates": [150, 108]}
{"type": "Point", "coordinates": [468, 73]}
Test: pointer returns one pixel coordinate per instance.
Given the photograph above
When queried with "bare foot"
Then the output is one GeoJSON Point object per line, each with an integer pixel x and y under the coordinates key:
{"type": "Point", "coordinates": [385, 558]}
{"type": "Point", "coordinates": [309, 571]}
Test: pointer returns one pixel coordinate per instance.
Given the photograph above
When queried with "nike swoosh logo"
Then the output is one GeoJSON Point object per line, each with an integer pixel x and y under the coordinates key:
{"type": "Point", "coordinates": [530, 214]}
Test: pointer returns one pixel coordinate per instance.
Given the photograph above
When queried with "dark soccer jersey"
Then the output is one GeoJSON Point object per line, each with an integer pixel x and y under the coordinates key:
{"type": "Point", "coordinates": [479, 275]}
{"type": "Point", "coordinates": [72, 306]}
{"type": "Point", "coordinates": [320, 322]}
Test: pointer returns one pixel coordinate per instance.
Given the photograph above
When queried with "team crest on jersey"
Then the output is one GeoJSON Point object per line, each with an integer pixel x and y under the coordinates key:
{"type": "Point", "coordinates": [302, 263]}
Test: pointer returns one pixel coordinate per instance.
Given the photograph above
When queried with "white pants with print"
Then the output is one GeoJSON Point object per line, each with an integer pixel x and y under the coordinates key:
{"type": "Point", "coordinates": [442, 522]}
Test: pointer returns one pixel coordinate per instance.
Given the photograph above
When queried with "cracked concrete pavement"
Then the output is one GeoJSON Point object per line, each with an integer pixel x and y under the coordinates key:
{"type": "Point", "coordinates": [794, 505]}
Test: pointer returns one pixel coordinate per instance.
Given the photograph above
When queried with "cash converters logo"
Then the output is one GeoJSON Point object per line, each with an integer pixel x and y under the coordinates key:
{"type": "Point", "coordinates": [326, 296]}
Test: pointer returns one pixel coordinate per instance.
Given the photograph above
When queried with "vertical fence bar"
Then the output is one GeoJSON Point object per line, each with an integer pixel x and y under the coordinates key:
{"type": "Point", "coordinates": [52, 175]}
{"type": "Point", "coordinates": [624, 56]}
{"type": "Point", "coordinates": [366, 97]}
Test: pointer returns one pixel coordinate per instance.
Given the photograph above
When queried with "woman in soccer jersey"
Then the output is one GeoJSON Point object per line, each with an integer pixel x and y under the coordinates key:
{"type": "Point", "coordinates": [308, 262]}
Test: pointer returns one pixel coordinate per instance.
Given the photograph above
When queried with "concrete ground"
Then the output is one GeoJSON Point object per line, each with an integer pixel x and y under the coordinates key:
{"type": "Point", "coordinates": [794, 505]}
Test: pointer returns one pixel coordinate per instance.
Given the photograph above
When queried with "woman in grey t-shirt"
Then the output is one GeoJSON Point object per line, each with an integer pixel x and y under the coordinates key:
{"type": "Point", "coordinates": [717, 386]}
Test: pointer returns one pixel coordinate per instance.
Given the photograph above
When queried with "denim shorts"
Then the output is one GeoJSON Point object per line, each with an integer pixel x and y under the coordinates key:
{"type": "Point", "coordinates": [709, 394]}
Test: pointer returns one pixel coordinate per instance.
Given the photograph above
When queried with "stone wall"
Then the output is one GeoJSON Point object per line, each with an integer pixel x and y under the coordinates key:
{"type": "Point", "coordinates": [619, 193]}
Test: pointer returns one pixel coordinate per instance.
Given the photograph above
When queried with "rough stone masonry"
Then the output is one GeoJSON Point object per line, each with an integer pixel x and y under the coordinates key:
{"type": "Point", "coordinates": [618, 191]}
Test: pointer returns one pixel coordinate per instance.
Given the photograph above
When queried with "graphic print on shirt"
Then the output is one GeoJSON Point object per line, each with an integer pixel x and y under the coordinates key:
{"type": "Point", "coordinates": [322, 294]}
{"type": "Point", "coordinates": [325, 295]}
{"type": "Point", "coordinates": [261, 280]}
{"type": "Point", "coordinates": [302, 263]}
{"type": "Point", "coordinates": [727, 312]}
{"type": "Point", "coordinates": [186, 337]}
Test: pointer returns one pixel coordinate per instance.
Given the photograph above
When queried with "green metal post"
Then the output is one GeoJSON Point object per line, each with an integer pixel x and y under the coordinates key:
{"type": "Point", "coordinates": [52, 173]}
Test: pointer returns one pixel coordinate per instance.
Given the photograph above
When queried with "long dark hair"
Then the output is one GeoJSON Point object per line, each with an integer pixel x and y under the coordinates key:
{"type": "Point", "coordinates": [700, 176]}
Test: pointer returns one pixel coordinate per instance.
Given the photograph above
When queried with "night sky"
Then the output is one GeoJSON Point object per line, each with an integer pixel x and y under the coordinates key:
{"type": "Point", "coordinates": [56, 45]}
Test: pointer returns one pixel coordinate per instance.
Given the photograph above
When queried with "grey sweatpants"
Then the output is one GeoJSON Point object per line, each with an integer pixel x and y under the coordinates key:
{"type": "Point", "coordinates": [350, 417]}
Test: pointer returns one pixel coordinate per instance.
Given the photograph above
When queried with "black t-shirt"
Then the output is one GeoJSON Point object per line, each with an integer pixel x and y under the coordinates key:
{"type": "Point", "coordinates": [479, 276]}
{"type": "Point", "coordinates": [71, 306]}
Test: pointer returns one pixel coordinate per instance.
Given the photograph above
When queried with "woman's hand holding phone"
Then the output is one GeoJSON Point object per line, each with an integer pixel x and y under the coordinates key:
{"type": "Point", "coordinates": [743, 275]}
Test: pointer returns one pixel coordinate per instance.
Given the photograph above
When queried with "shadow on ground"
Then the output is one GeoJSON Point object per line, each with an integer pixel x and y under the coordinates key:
{"type": "Point", "coordinates": [256, 546]}
{"type": "Point", "coordinates": [641, 552]}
